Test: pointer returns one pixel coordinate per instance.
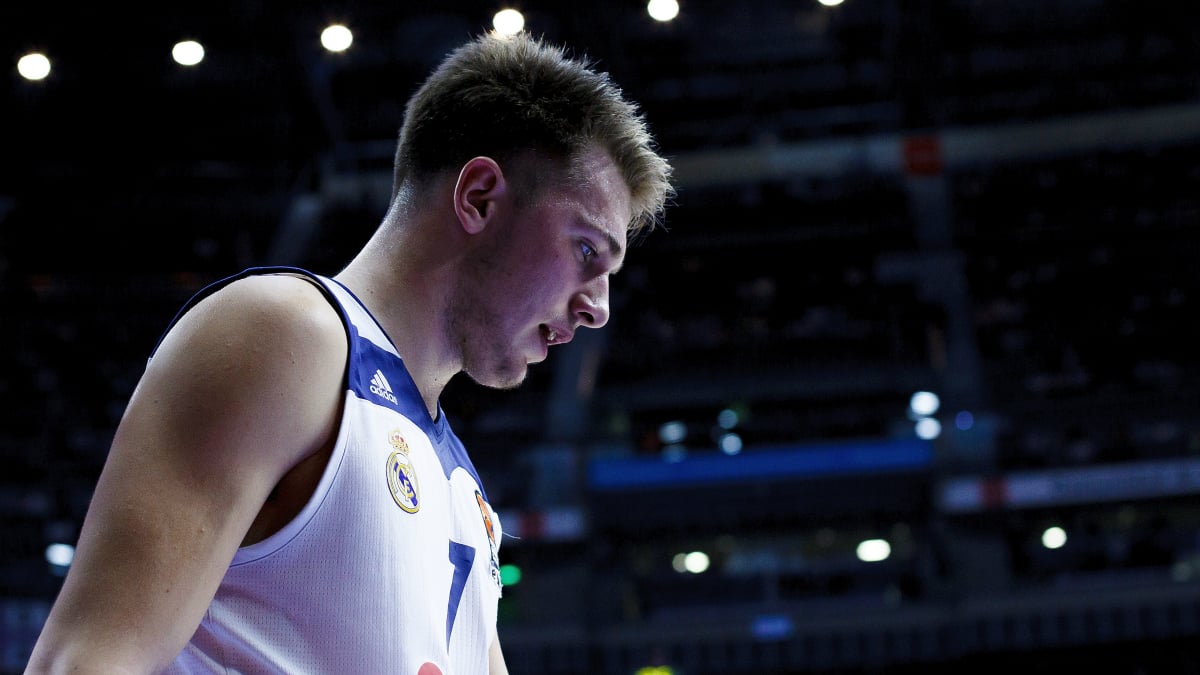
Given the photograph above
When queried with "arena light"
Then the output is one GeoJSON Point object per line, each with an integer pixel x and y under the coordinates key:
{"type": "Point", "coordinates": [187, 52]}
{"type": "Point", "coordinates": [731, 444]}
{"type": "Point", "coordinates": [337, 38]}
{"type": "Point", "coordinates": [1054, 537]}
{"type": "Point", "coordinates": [510, 575]}
{"type": "Point", "coordinates": [873, 550]}
{"type": "Point", "coordinates": [695, 562]}
{"type": "Point", "coordinates": [34, 66]}
{"type": "Point", "coordinates": [727, 418]}
{"type": "Point", "coordinates": [928, 429]}
{"type": "Point", "coordinates": [508, 22]}
{"type": "Point", "coordinates": [60, 555]}
{"type": "Point", "coordinates": [924, 403]}
{"type": "Point", "coordinates": [672, 432]}
{"type": "Point", "coordinates": [662, 10]}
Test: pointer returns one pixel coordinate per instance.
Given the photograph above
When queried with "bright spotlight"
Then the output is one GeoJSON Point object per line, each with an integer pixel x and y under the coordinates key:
{"type": "Point", "coordinates": [187, 52]}
{"type": "Point", "coordinates": [924, 403]}
{"type": "Point", "coordinates": [508, 22]}
{"type": "Point", "coordinates": [830, 3]}
{"type": "Point", "coordinates": [336, 38]}
{"type": "Point", "coordinates": [662, 10]}
{"type": "Point", "coordinates": [60, 555]}
{"type": "Point", "coordinates": [928, 429]}
{"type": "Point", "coordinates": [873, 550]}
{"type": "Point", "coordinates": [1054, 537]}
{"type": "Point", "coordinates": [33, 66]}
{"type": "Point", "coordinates": [696, 562]}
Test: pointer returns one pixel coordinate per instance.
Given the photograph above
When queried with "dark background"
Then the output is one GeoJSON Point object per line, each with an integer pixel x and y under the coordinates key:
{"type": "Point", "coordinates": [994, 201]}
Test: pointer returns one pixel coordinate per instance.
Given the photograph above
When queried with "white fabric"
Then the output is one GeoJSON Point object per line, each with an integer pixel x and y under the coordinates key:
{"type": "Point", "coordinates": [363, 579]}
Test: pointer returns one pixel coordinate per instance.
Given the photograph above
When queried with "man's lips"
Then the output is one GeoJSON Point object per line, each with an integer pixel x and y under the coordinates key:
{"type": "Point", "coordinates": [556, 335]}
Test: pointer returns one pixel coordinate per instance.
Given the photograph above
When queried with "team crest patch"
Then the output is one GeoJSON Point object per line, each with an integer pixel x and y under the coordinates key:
{"type": "Point", "coordinates": [402, 480]}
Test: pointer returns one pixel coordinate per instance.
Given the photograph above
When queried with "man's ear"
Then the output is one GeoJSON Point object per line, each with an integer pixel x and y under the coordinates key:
{"type": "Point", "coordinates": [480, 186]}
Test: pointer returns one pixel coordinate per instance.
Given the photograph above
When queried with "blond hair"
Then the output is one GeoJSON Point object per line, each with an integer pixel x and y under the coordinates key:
{"type": "Point", "coordinates": [503, 96]}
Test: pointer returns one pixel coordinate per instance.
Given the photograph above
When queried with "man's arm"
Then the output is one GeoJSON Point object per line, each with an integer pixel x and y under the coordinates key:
{"type": "Point", "coordinates": [246, 385]}
{"type": "Point", "coordinates": [496, 665]}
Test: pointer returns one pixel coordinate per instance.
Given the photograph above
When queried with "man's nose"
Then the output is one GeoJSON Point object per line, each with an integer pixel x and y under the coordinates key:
{"type": "Point", "coordinates": [589, 307]}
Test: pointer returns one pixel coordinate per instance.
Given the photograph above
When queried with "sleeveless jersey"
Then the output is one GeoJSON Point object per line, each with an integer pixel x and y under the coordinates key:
{"type": "Point", "coordinates": [391, 566]}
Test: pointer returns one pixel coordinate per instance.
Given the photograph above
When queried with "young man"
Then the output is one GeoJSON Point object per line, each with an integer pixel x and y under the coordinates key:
{"type": "Point", "coordinates": [283, 493]}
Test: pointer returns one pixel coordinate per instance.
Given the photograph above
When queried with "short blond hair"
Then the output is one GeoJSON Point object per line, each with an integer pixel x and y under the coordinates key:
{"type": "Point", "coordinates": [502, 96]}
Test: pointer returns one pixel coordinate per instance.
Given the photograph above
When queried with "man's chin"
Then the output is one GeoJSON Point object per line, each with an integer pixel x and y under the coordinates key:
{"type": "Point", "coordinates": [505, 379]}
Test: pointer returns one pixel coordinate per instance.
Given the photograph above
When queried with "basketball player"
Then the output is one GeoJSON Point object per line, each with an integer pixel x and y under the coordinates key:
{"type": "Point", "coordinates": [284, 493]}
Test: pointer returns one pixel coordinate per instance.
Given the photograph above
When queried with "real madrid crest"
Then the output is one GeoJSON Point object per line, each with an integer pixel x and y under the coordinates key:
{"type": "Point", "coordinates": [402, 480]}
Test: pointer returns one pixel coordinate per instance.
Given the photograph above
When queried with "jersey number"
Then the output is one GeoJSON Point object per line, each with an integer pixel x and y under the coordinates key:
{"type": "Point", "coordinates": [462, 557]}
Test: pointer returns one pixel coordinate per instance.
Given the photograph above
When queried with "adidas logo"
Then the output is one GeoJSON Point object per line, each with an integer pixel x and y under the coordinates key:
{"type": "Point", "coordinates": [381, 388]}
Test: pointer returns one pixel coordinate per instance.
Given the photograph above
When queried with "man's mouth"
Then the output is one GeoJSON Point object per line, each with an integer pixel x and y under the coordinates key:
{"type": "Point", "coordinates": [555, 336]}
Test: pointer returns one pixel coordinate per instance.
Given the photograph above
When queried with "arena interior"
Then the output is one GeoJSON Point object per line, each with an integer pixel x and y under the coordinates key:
{"type": "Point", "coordinates": [908, 382]}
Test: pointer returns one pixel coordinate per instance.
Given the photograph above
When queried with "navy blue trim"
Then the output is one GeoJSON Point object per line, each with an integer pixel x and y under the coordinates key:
{"type": "Point", "coordinates": [409, 402]}
{"type": "Point", "coordinates": [436, 428]}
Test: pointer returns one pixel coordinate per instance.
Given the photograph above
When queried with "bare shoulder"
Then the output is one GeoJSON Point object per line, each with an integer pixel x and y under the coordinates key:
{"type": "Point", "coordinates": [243, 388]}
{"type": "Point", "coordinates": [289, 306]}
{"type": "Point", "coordinates": [259, 360]}
{"type": "Point", "coordinates": [254, 316]}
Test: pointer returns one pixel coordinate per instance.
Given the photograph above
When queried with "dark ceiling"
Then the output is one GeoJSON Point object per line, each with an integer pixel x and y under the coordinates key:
{"type": "Point", "coordinates": [121, 149]}
{"type": "Point", "coordinates": [785, 119]}
{"type": "Point", "coordinates": [994, 199]}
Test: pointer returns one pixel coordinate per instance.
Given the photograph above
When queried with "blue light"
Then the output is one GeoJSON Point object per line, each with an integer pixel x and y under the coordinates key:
{"type": "Point", "coordinates": [731, 444]}
{"type": "Point", "coordinates": [672, 432]}
{"type": "Point", "coordinates": [772, 627]}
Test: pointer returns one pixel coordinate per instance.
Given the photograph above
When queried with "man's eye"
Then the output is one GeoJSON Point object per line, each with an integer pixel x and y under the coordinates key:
{"type": "Point", "coordinates": [588, 251]}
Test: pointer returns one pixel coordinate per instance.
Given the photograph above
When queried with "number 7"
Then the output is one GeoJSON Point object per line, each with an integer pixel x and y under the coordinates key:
{"type": "Point", "coordinates": [462, 557]}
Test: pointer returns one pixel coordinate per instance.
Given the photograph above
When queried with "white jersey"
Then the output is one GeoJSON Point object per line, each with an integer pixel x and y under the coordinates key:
{"type": "Point", "coordinates": [391, 566]}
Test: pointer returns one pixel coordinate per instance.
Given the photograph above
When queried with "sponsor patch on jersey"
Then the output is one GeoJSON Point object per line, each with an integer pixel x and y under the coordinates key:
{"type": "Point", "coordinates": [402, 480]}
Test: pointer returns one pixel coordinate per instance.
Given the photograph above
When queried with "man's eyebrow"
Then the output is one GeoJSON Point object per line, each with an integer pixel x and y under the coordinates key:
{"type": "Point", "coordinates": [615, 250]}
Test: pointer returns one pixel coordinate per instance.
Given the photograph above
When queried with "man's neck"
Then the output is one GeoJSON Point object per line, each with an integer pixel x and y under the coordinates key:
{"type": "Point", "coordinates": [409, 308]}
